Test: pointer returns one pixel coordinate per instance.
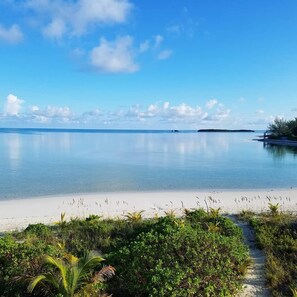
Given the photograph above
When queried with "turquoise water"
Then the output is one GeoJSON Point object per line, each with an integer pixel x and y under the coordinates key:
{"type": "Point", "coordinates": [38, 162]}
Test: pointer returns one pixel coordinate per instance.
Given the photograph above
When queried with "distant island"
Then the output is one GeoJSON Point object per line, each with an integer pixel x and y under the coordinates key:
{"type": "Point", "coordinates": [224, 130]}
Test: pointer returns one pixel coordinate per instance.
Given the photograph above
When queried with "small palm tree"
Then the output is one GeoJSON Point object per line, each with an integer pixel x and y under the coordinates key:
{"type": "Point", "coordinates": [71, 274]}
{"type": "Point", "coordinates": [135, 216]}
{"type": "Point", "coordinates": [274, 208]}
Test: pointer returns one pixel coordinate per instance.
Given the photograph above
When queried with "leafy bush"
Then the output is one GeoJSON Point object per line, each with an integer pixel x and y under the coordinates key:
{"type": "Point", "coordinates": [176, 259]}
{"type": "Point", "coordinates": [19, 259]}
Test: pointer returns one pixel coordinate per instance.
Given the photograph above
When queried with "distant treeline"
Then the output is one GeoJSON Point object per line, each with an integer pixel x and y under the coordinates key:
{"type": "Point", "coordinates": [224, 130]}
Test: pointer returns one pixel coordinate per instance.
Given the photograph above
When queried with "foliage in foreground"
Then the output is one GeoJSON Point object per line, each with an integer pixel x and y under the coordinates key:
{"type": "Point", "coordinates": [181, 257]}
{"type": "Point", "coordinates": [71, 276]}
{"type": "Point", "coordinates": [276, 234]}
{"type": "Point", "coordinates": [199, 255]}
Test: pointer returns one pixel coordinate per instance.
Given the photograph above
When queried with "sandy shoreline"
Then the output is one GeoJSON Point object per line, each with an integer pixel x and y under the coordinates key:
{"type": "Point", "coordinates": [18, 213]}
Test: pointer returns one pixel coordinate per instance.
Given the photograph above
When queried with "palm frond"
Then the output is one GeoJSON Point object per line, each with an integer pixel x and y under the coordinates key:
{"type": "Point", "coordinates": [35, 281]}
{"type": "Point", "coordinates": [89, 262]}
{"type": "Point", "coordinates": [60, 265]}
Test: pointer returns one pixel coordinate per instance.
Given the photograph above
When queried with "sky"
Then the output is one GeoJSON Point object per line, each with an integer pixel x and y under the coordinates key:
{"type": "Point", "coordinates": [131, 64]}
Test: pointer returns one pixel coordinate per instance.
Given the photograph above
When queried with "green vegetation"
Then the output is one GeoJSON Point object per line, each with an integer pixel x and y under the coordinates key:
{"type": "Point", "coordinates": [201, 254]}
{"type": "Point", "coordinates": [276, 234]}
{"type": "Point", "coordinates": [71, 276]}
{"type": "Point", "coordinates": [282, 128]}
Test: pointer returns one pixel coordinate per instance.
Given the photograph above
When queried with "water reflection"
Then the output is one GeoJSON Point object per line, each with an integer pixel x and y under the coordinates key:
{"type": "Point", "coordinates": [13, 144]}
{"type": "Point", "coordinates": [280, 151]}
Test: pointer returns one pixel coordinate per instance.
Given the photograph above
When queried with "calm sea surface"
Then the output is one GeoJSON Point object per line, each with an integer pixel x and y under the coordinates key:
{"type": "Point", "coordinates": [38, 162]}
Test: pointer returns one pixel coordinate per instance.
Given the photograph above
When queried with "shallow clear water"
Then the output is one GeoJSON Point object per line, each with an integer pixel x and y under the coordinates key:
{"type": "Point", "coordinates": [35, 162]}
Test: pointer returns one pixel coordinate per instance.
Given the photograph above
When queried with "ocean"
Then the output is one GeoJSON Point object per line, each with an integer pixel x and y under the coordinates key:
{"type": "Point", "coordinates": [40, 162]}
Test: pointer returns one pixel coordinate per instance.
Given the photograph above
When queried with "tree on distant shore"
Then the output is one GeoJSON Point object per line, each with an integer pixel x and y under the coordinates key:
{"type": "Point", "coordinates": [282, 128]}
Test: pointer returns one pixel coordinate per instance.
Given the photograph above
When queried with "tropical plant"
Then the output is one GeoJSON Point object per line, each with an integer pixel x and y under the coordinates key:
{"type": "Point", "coordinates": [170, 213]}
{"type": "Point", "coordinates": [69, 275]}
{"type": "Point", "coordinates": [135, 216]}
{"type": "Point", "coordinates": [62, 223]}
{"type": "Point", "coordinates": [274, 208]}
{"type": "Point", "coordinates": [214, 212]}
{"type": "Point", "coordinates": [294, 291]}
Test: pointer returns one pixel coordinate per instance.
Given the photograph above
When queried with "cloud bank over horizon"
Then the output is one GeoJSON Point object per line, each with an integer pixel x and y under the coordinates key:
{"type": "Point", "coordinates": [160, 114]}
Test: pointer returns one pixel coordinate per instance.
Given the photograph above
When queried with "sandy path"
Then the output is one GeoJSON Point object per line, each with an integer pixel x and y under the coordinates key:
{"type": "Point", "coordinates": [255, 281]}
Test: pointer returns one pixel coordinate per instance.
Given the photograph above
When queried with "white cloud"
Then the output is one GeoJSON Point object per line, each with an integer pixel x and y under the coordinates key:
{"type": "Point", "coordinates": [11, 35]}
{"type": "Point", "coordinates": [166, 112]}
{"type": "Point", "coordinates": [75, 17]}
{"type": "Point", "coordinates": [211, 103]}
{"type": "Point", "coordinates": [158, 40]}
{"type": "Point", "coordinates": [165, 54]}
{"type": "Point", "coordinates": [55, 29]}
{"type": "Point", "coordinates": [220, 114]}
{"type": "Point", "coordinates": [114, 56]}
{"type": "Point", "coordinates": [34, 109]}
{"type": "Point", "coordinates": [50, 114]}
{"type": "Point", "coordinates": [156, 114]}
{"type": "Point", "coordinates": [13, 105]}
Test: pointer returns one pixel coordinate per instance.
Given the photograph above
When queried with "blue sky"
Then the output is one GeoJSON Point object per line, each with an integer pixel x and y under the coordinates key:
{"type": "Point", "coordinates": [147, 64]}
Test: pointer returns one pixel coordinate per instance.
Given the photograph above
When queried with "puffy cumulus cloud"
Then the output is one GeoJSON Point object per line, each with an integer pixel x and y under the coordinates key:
{"type": "Point", "coordinates": [11, 34]}
{"type": "Point", "coordinates": [166, 112]}
{"type": "Point", "coordinates": [56, 29]}
{"type": "Point", "coordinates": [92, 116]}
{"type": "Point", "coordinates": [165, 54]}
{"type": "Point", "coordinates": [211, 103]}
{"type": "Point", "coordinates": [75, 17]}
{"type": "Point", "coordinates": [221, 113]}
{"type": "Point", "coordinates": [13, 105]}
{"type": "Point", "coordinates": [51, 114]}
{"type": "Point", "coordinates": [114, 56]}
{"type": "Point", "coordinates": [156, 115]}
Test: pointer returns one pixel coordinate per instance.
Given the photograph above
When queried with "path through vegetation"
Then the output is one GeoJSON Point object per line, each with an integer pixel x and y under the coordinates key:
{"type": "Point", "coordinates": [255, 281]}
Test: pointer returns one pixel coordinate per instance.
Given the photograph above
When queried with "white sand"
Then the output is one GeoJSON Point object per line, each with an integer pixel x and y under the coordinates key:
{"type": "Point", "coordinates": [17, 214]}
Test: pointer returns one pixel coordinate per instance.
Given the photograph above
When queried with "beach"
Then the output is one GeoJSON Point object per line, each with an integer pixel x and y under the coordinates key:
{"type": "Point", "coordinates": [17, 214]}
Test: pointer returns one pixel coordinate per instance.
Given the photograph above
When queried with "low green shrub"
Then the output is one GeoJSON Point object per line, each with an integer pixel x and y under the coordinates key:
{"type": "Point", "coordinates": [176, 259]}
{"type": "Point", "coordinates": [18, 260]}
